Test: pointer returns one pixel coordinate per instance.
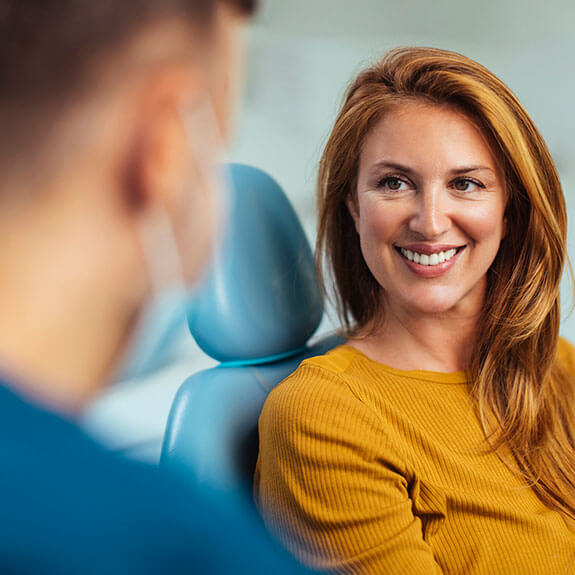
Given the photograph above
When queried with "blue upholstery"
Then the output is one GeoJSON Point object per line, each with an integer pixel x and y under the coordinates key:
{"type": "Point", "coordinates": [212, 428]}
{"type": "Point", "coordinates": [261, 299]}
{"type": "Point", "coordinates": [255, 314]}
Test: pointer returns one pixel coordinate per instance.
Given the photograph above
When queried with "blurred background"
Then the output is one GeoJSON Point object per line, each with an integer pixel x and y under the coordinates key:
{"type": "Point", "coordinates": [303, 53]}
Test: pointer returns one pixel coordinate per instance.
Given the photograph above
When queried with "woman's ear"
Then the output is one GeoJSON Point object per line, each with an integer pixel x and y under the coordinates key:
{"type": "Point", "coordinates": [504, 225]}
{"type": "Point", "coordinates": [353, 208]}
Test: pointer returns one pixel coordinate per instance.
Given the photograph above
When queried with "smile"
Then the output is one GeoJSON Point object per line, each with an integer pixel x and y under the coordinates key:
{"type": "Point", "coordinates": [428, 259]}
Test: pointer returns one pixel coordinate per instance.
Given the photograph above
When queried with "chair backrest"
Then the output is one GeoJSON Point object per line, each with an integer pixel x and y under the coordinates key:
{"type": "Point", "coordinates": [255, 314]}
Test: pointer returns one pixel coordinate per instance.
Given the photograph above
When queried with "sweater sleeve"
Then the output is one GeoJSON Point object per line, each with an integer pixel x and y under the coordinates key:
{"type": "Point", "coordinates": [331, 483]}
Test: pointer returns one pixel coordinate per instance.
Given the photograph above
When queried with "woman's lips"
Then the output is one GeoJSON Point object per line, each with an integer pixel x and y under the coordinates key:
{"type": "Point", "coordinates": [429, 248]}
{"type": "Point", "coordinates": [429, 261]}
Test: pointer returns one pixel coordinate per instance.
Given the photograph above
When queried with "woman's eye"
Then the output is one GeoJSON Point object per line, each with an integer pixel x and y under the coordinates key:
{"type": "Point", "coordinates": [392, 184]}
{"type": "Point", "coordinates": [466, 185]}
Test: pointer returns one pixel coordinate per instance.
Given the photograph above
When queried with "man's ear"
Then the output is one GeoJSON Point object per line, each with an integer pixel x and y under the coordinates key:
{"type": "Point", "coordinates": [353, 208]}
{"type": "Point", "coordinates": [157, 160]}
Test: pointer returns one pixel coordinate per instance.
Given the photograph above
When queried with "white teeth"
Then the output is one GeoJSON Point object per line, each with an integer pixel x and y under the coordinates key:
{"type": "Point", "coordinates": [428, 260]}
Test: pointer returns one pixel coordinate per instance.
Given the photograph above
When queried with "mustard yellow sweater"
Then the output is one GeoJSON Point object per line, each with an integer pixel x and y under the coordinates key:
{"type": "Point", "coordinates": [368, 469]}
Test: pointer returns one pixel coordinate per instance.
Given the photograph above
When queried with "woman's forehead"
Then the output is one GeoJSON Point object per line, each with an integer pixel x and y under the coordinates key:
{"type": "Point", "coordinates": [424, 137]}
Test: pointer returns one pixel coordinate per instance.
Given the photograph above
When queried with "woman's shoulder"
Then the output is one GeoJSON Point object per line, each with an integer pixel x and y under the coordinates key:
{"type": "Point", "coordinates": [335, 362]}
{"type": "Point", "coordinates": [320, 381]}
{"type": "Point", "coordinates": [323, 401]}
{"type": "Point", "coordinates": [318, 374]}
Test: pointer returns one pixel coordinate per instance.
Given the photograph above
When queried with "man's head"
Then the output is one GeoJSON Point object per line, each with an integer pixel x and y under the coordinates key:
{"type": "Point", "coordinates": [111, 116]}
{"type": "Point", "coordinates": [54, 52]}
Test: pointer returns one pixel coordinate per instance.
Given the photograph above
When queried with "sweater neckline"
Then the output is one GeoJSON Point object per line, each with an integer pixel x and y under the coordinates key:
{"type": "Point", "coordinates": [434, 376]}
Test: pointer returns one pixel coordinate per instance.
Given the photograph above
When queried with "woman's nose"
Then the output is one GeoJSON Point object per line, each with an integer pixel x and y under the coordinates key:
{"type": "Point", "coordinates": [430, 219]}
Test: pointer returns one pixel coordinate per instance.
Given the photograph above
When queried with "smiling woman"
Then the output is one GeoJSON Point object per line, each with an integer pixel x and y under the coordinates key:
{"type": "Point", "coordinates": [429, 212]}
{"type": "Point", "coordinates": [440, 437]}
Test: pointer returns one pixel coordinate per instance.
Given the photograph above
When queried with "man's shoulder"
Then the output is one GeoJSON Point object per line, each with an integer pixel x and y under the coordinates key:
{"type": "Point", "coordinates": [55, 469]}
{"type": "Point", "coordinates": [36, 440]}
{"type": "Point", "coordinates": [67, 505]}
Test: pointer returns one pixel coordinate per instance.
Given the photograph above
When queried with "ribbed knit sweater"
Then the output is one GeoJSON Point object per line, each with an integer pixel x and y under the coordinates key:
{"type": "Point", "coordinates": [368, 469]}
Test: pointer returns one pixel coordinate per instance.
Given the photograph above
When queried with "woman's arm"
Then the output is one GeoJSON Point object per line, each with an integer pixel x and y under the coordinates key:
{"type": "Point", "coordinates": [331, 484]}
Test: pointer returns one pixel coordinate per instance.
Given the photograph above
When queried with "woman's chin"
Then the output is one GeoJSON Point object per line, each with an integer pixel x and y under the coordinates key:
{"type": "Point", "coordinates": [432, 305]}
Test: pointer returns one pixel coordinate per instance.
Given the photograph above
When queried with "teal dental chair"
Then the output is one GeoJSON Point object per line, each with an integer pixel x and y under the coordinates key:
{"type": "Point", "coordinates": [255, 315]}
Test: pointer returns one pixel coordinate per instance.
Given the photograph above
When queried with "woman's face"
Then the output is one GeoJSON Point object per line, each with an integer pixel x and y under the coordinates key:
{"type": "Point", "coordinates": [429, 209]}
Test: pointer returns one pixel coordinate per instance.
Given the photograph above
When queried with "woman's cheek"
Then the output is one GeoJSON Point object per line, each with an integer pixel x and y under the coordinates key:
{"type": "Point", "coordinates": [484, 224]}
{"type": "Point", "coordinates": [379, 220]}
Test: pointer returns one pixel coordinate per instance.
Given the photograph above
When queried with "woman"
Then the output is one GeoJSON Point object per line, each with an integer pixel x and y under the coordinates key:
{"type": "Point", "coordinates": [440, 437]}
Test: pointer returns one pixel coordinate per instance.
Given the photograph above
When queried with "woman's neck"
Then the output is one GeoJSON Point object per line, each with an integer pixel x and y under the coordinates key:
{"type": "Point", "coordinates": [408, 340]}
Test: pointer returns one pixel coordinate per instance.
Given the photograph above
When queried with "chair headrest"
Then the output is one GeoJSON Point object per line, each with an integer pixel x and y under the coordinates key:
{"type": "Point", "coordinates": [261, 299]}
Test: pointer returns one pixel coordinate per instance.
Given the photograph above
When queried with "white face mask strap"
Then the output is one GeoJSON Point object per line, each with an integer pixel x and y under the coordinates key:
{"type": "Point", "coordinates": [206, 141]}
{"type": "Point", "coordinates": [207, 144]}
{"type": "Point", "coordinates": [161, 252]}
{"type": "Point", "coordinates": [203, 131]}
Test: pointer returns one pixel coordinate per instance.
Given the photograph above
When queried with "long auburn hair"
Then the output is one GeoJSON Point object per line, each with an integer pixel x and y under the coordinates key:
{"type": "Point", "coordinates": [523, 396]}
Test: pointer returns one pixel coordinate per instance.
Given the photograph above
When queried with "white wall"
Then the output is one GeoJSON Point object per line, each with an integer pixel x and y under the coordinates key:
{"type": "Point", "coordinates": [304, 52]}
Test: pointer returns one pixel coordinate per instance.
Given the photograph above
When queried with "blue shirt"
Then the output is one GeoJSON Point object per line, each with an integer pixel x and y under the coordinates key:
{"type": "Point", "coordinates": [68, 506]}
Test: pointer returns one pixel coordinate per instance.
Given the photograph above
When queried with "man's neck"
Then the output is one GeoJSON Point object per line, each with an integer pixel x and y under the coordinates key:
{"type": "Point", "coordinates": [61, 321]}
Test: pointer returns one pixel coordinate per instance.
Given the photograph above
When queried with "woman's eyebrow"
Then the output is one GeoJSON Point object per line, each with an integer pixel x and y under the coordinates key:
{"type": "Point", "coordinates": [468, 169]}
{"type": "Point", "coordinates": [406, 169]}
{"type": "Point", "coordinates": [391, 165]}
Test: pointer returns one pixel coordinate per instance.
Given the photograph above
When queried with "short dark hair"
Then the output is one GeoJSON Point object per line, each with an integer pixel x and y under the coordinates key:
{"type": "Point", "coordinates": [247, 7]}
{"type": "Point", "coordinates": [47, 47]}
{"type": "Point", "coordinates": [48, 43]}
